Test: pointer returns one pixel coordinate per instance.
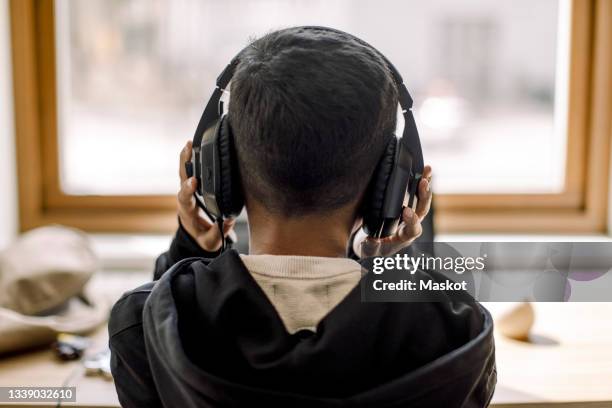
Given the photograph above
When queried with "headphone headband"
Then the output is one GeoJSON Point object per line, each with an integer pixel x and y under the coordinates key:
{"type": "Point", "coordinates": [213, 110]}
{"type": "Point", "coordinates": [214, 164]}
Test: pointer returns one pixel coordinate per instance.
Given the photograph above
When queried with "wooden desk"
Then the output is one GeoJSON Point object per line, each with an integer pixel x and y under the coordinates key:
{"type": "Point", "coordinates": [41, 368]}
{"type": "Point", "coordinates": [569, 364]}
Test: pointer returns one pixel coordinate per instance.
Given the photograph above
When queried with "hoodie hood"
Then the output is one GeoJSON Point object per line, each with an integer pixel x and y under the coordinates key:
{"type": "Point", "coordinates": [214, 339]}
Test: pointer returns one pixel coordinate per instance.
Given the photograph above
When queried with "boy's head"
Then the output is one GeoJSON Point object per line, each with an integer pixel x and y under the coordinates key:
{"type": "Point", "coordinates": [311, 112]}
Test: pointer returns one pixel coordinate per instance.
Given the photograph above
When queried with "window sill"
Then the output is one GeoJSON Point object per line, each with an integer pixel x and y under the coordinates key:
{"type": "Point", "coordinates": [138, 251]}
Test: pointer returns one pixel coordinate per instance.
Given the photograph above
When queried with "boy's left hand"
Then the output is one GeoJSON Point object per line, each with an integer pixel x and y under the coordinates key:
{"type": "Point", "coordinates": [409, 229]}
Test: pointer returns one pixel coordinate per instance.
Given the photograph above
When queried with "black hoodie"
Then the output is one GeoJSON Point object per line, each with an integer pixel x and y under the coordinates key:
{"type": "Point", "coordinates": [205, 335]}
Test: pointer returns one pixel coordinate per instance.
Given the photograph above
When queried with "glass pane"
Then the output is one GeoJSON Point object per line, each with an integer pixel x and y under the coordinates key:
{"type": "Point", "coordinates": [134, 75]}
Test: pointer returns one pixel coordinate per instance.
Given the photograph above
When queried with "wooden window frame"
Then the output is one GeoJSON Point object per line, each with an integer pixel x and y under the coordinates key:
{"type": "Point", "coordinates": [581, 207]}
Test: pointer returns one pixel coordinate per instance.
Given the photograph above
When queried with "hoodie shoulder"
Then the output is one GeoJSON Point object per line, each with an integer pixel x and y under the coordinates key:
{"type": "Point", "coordinates": [129, 362]}
{"type": "Point", "coordinates": [127, 312]}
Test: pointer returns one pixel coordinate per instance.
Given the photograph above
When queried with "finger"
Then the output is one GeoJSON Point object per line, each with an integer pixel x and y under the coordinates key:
{"type": "Point", "coordinates": [370, 247]}
{"type": "Point", "coordinates": [424, 201]}
{"type": "Point", "coordinates": [210, 239]}
{"type": "Point", "coordinates": [228, 229]}
{"type": "Point", "coordinates": [185, 194]}
{"type": "Point", "coordinates": [410, 228]}
{"type": "Point", "coordinates": [228, 224]}
{"type": "Point", "coordinates": [203, 220]}
{"type": "Point", "coordinates": [185, 157]}
{"type": "Point", "coordinates": [427, 173]}
{"type": "Point", "coordinates": [231, 234]}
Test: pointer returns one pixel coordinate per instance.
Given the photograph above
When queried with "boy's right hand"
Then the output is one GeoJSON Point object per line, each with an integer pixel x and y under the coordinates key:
{"type": "Point", "coordinates": [197, 224]}
{"type": "Point", "coordinates": [410, 227]}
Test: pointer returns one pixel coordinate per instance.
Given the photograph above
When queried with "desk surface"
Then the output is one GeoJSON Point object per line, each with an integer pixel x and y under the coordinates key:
{"type": "Point", "coordinates": [568, 364]}
{"type": "Point", "coordinates": [568, 361]}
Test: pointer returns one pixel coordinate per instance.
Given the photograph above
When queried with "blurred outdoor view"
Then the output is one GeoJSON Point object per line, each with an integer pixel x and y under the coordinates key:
{"type": "Point", "coordinates": [134, 75]}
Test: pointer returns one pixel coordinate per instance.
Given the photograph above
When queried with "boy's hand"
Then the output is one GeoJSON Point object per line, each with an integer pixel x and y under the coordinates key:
{"type": "Point", "coordinates": [197, 224]}
{"type": "Point", "coordinates": [409, 229]}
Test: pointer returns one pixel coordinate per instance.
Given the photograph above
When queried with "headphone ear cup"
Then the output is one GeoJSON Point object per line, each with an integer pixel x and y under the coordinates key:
{"type": "Point", "coordinates": [374, 201]}
{"type": "Point", "coordinates": [230, 198]}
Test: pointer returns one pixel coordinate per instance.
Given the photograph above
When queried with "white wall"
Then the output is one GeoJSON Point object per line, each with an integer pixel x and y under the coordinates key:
{"type": "Point", "coordinates": [8, 174]}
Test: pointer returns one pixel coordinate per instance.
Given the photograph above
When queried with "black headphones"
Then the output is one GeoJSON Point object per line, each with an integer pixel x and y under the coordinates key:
{"type": "Point", "coordinates": [219, 190]}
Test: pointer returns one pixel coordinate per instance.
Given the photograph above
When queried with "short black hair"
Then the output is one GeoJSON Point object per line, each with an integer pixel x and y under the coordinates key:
{"type": "Point", "coordinates": [311, 112]}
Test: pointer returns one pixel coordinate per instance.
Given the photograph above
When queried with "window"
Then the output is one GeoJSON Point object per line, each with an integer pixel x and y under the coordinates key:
{"type": "Point", "coordinates": [503, 98]}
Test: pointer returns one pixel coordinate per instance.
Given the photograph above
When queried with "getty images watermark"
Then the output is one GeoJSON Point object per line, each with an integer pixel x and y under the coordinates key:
{"type": "Point", "coordinates": [411, 264]}
{"type": "Point", "coordinates": [458, 264]}
{"type": "Point", "coordinates": [491, 271]}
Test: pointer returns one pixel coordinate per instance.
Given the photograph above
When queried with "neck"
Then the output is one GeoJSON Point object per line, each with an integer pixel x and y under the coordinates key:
{"type": "Point", "coordinates": [325, 236]}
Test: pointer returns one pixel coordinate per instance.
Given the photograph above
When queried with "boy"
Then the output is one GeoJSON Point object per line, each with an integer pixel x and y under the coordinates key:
{"type": "Point", "coordinates": [311, 112]}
